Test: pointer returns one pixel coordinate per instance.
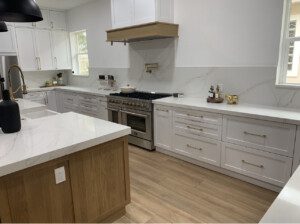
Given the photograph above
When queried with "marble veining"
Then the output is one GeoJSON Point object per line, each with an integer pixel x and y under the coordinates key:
{"type": "Point", "coordinates": [254, 85]}
{"type": "Point", "coordinates": [48, 138]}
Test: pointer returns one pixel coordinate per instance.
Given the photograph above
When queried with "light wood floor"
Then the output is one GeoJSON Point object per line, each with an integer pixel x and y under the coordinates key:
{"type": "Point", "coordinates": [165, 189]}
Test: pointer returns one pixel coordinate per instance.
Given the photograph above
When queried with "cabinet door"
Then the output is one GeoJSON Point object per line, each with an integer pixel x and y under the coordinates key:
{"type": "Point", "coordinates": [103, 112]}
{"type": "Point", "coordinates": [162, 128]}
{"type": "Point", "coordinates": [27, 25]}
{"type": "Point", "coordinates": [144, 11]}
{"type": "Point", "coordinates": [45, 24]}
{"type": "Point", "coordinates": [100, 181]}
{"type": "Point", "coordinates": [5, 216]}
{"type": "Point", "coordinates": [51, 101]}
{"type": "Point", "coordinates": [58, 20]}
{"type": "Point", "coordinates": [61, 53]}
{"type": "Point", "coordinates": [7, 41]}
{"type": "Point", "coordinates": [43, 47]}
{"type": "Point", "coordinates": [26, 49]}
{"type": "Point", "coordinates": [122, 13]}
{"type": "Point", "coordinates": [165, 11]}
{"type": "Point", "coordinates": [34, 196]}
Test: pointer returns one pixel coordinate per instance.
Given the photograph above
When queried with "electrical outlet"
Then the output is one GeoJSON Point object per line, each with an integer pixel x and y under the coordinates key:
{"type": "Point", "coordinates": [60, 175]}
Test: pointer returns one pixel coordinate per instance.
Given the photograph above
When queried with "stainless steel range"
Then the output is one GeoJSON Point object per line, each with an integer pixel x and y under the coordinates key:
{"type": "Point", "coordinates": [136, 111]}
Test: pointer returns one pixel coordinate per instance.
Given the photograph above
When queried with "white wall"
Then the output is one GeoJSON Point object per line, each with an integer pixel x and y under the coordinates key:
{"type": "Point", "coordinates": [95, 17]}
{"type": "Point", "coordinates": [230, 42]}
{"type": "Point", "coordinates": [228, 33]}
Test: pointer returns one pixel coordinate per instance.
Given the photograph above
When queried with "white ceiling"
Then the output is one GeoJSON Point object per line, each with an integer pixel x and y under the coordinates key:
{"type": "Point", "coordinates": [61, 4]}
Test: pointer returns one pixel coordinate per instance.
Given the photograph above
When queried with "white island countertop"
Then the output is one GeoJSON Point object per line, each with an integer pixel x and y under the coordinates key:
{"type": "Point", "coordinates": [49, 138]}
{"type": "Point", "coordinates": [286, 208]}
{"type": "Point", "coordinates": [277, 114]}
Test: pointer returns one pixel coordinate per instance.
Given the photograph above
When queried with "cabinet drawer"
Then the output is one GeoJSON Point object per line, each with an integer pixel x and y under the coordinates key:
{"type": "Point", "coordinates": [264, 166]}
{"type": "Point", "coordinates": [272, 137]}
{"type": "Point", "coordinates": [88, 99]}
{"type": "Point", "coordinates": [197, 117]}
{"type": "Point", "coordinates": [202, 149]}
{"type": "Point", "coordinates": [91, 109]}
{"type": "Point", "coordinates": [69, 99]}
{"type": "Point", "coordinates": [194, 130]}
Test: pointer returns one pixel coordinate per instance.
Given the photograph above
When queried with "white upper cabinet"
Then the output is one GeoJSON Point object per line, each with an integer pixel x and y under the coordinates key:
{"type": "Point", "coordinates": [135, 12]}
{"type": "Point", "coordinates": [122, 13]}
{"type": "Point", "coordinates": [58, 20]}
{"type": "Point", "coordinates": [43, 49]}
{"type": "Point", "coordinates": [26, 49]}
{"type": "Point", "coordinates": [45, 24]}
{"type": "Point", "coordinates": [7, 42]}
{"type": "Point", "coordinates": [41, 46]}
{"type": "Point", "coordinates": [144, 11]}
{"type": "Point", "coordinates": [61, 52]}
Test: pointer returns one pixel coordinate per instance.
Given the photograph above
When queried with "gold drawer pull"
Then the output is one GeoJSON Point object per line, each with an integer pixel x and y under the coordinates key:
{"type": "Point", "coordinates": [162, 110]}
{"type": "Point", "coordinates": [191, 115]}
{"type": "Point", "coordinates": [257, 135]}
{"type": "Point", "coordinates": [197, 129]}
{"type": "Point", "coordinates": [192, 147]}
{"type": "Point", "coordinates": [259, 166]}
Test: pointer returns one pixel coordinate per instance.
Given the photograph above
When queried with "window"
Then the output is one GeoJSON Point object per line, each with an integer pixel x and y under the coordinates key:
{"type": "Point", "coordinates": [80, 58]}
{"type": "Point", "coordinates": [288, 71]}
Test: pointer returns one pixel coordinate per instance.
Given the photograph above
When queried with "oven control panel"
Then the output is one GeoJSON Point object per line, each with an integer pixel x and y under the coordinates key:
{"type": "Point", "coordinates": [134, 104]}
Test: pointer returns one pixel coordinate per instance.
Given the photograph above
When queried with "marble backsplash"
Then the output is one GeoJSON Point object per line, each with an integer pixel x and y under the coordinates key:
{"type": "Point", "coordinates": [254, 85]}
{"type": "Point", "coordinates": [37, 79]}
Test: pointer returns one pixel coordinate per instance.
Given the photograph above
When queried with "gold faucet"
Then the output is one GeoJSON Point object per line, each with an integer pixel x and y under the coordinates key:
{"type": "Point", "coordinates": [24, 88]}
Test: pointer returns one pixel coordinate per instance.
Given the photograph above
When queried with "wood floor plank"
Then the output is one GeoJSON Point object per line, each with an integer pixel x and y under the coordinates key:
{"type": "Point", "coordinates": [165, 189]}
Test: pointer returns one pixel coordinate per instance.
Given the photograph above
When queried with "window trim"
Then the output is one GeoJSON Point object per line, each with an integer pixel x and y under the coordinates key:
{"type": "Point", "coordinates": [75, 54]}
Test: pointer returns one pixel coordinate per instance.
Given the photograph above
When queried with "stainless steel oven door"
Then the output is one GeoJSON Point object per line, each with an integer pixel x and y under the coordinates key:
{"type": "Point", "coordinates": [114, 115]}
{"type": "Point", "coordinates": [140, 123]}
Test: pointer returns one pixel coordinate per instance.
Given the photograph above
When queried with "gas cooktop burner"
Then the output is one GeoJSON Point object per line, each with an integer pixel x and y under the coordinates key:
{"type": "Point", "coordinates": [142, 95]}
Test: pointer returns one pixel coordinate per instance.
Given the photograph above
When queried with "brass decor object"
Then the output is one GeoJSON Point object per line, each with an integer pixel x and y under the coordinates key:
{"type": "Point", "coordinates": [232, 99]}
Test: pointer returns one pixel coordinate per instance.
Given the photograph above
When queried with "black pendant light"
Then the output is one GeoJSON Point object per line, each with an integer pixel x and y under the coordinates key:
{"type": "Point", "coordinates": [3, 27]}
{"type": "Point", "coordinates": [20, 11]}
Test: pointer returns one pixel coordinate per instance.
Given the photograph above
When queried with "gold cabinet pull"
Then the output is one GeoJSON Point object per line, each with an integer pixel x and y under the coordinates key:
{"type": "Point", "coordinates": [162, 110]}
{"type": "Point", "coordinates": [197, 129]}
{"type": "Point", "coordinates": [257, 135]}
{"type": "Point", "coordinates": [191, 115]}
{"type": "Point", "coordinates": [192, 147]}
{"type": "Point", "coordinates": [252, 164]}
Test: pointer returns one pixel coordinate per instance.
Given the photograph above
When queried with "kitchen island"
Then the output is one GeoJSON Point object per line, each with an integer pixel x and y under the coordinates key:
{"type": "Point", "coordinates": [64, 168]}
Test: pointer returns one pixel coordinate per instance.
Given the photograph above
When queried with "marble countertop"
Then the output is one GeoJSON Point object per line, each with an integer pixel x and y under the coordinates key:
{"type": "Point", "coordinates": [27, 106]}
{"type": "Point", "coordinates": [94, 91]}
{"type": "Point", "coordinates": [286, 207]}
{"type": "Point", "coordinates": [277, 114]}
{"type": "Point", "coordinates": [49, 138]}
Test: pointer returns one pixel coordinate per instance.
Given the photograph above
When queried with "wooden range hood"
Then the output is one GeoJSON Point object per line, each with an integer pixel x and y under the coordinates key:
{"type": "Point", "coordinates": [148, 31]}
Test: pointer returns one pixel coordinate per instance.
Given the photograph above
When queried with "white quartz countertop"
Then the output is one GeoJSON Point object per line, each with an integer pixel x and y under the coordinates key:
{"type": "Point", "coordinates": [277, 114]}
{"type": "Point", "coordinates": [27, 106]}
{"type": "Point", "coordinates": [286, 208]}
{"type": "Point", "coordinates": [48, 138]}
{"type": "Point", "coordinates": [94, 91]}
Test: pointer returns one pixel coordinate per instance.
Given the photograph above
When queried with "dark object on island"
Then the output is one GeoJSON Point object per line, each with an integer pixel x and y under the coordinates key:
{"type": "Point", "coordinates": [3, 27]}
{"type": "Point", "coordinates": [20, 11]}
{"type": "Point", "coordinates": [10, 119]}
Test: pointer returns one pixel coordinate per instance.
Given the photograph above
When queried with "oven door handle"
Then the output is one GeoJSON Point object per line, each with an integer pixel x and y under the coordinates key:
{"type": "Point", "coordinates": [134, 114]}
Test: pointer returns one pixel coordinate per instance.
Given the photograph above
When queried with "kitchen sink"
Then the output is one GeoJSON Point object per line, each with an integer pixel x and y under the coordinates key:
{"type": "Point", "coordinates": [39, 114]}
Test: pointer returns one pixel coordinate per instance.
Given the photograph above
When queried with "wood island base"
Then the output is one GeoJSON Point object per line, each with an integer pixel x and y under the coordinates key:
{"type": "Point", "coordinates": [96, 188]}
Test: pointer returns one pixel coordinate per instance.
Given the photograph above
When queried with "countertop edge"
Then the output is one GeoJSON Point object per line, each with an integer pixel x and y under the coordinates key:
{"type": "Point", "coordinates": [229, 112]}
{"type": "Point", "coordinates": [33, 161]}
